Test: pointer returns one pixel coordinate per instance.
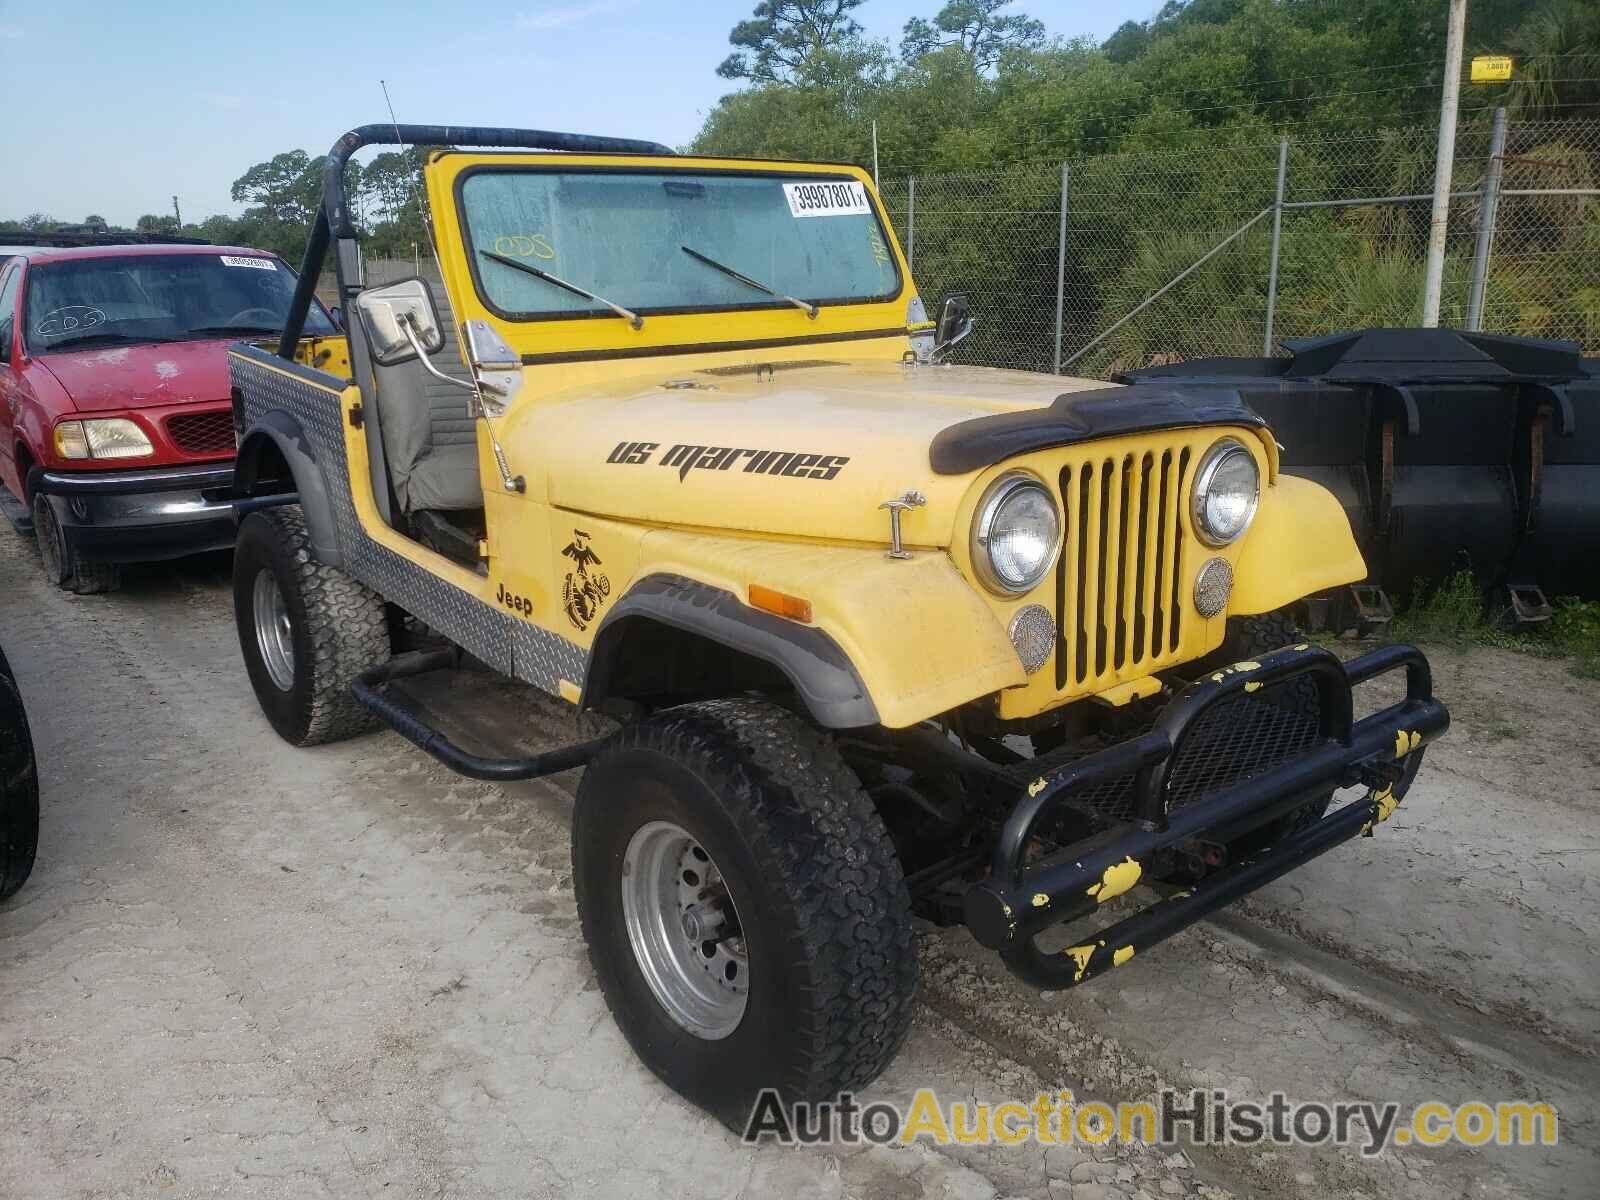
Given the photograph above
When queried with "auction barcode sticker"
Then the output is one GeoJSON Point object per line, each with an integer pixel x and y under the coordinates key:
{"type": "Point", "coordinates": [235, 260]}
{"type": "Point", "coordinates": [833, 198]}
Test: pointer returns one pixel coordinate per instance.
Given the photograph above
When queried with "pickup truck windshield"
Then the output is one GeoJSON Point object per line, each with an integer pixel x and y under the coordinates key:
{"type": "Point", "coordinates": [626, 235]}
{"type": "Point", "coordinates": [158, 298]}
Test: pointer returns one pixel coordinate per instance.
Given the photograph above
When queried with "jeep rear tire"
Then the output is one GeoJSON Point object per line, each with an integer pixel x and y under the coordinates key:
{"type": "Point", "coordinates": [19, 788]}
{"type": "Point", "coordinates": [306, 630]}
{"type": "Point", "coordinates": [745, 911]}
{"type": "Point", "coordinates": [63, 566]}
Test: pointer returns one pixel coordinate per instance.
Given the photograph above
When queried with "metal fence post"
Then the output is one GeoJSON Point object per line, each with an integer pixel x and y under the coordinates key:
{"type": "Point", "coordinates": [911, 225]}
{"type": "Point", "coordinates": [1488, 212]}
{"type": "Point", "coordinates": [1277, 235]}
{"type": "Point", "coordinates": [1061, 268]}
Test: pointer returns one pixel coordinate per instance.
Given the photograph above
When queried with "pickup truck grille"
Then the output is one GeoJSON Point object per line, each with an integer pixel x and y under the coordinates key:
{"type": "Point", "coordinates": [1119, 591]}
{"type": "Point", "coordinates": [202, 433]}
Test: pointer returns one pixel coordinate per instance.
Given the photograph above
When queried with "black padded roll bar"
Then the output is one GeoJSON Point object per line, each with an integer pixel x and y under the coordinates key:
{"type": "Point", "coordinates": [333, 218]}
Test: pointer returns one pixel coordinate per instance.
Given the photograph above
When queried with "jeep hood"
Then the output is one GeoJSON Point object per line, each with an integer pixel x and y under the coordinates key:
{"type": "Point", "coordinates": [799, 451]}
{"type": "Point", "coordinates": [113, 378]}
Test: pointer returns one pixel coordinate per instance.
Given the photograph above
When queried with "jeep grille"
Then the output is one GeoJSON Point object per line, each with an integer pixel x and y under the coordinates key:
{"type": "Point", "coordinates": [1119, 589]}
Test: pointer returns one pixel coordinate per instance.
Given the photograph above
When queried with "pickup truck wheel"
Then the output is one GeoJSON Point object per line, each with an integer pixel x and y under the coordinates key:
{"type": "Point", "coordinates": [19, 789]}
{"type": "Point", "coordinates": [64, 567]}
{"type": "Point", "coordinates": [306, 630]}
{"type": "Point", "coordinates": [745, 911]}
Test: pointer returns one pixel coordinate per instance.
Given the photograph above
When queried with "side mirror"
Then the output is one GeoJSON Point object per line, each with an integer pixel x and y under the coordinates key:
{"type": "Point", "coordinates": [399, 318]}
{"type": "Point", "coordinates": [955, 322]}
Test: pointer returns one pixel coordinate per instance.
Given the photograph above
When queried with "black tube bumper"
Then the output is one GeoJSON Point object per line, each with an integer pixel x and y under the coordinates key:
{"type": "Point", "coordinates": [1382, 752]}
{"type": "Point", "coordinates": [142, 515]}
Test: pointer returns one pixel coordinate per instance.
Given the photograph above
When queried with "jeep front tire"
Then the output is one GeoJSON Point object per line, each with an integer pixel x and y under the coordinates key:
{"type": "Point", "coordinates": [19, 788]}
{"type": "Point", "coordinates": [744, 908]}
{"type": "Point", "coordinates": [306, 630]}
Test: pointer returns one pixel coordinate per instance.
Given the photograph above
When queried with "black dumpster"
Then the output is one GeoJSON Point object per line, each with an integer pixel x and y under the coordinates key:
{"type": "Point", "coordinates": [1446, 449]}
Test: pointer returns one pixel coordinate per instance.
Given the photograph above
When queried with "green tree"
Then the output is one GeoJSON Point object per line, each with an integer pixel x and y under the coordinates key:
{"type": "Point", "coordinates": [976, 27]}
{"type": "Point", "coordinates": [785, 40]}
{"type": "Point", "coordinates": [97, 222]}
{"type": "Point", "coordinates": [154, 225]}
{"type": "Point", "coordinates": [1557, 55]}
{"type": "Point", "coordinates": [285, 187]}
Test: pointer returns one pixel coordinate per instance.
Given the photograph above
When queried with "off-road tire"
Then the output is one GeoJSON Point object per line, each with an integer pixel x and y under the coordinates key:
{"type": "Point", "coordinates": [1248, 638]}
{"type": "Point", "coordinates": [65, 567]}
{"type": "Point", "coordinates": [19, 788]}
{"type": "Point", "coordinates": [339, 629]}
{"type": "Point", "coordinates": [812, 872]}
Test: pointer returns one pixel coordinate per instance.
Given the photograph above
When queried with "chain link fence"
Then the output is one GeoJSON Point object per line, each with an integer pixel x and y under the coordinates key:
{"type": "Point", "coordinates": [1228, 249]}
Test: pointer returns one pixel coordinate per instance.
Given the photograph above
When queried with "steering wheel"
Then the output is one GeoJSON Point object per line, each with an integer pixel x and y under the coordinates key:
{"type": "Point", "coordinates": [266, 315]}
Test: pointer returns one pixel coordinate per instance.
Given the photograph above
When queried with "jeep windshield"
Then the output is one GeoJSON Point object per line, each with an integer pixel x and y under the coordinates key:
{"type": "Point", "coordinates": [621, 234]}
{"type": "Point", "coordinates": [88, 302]}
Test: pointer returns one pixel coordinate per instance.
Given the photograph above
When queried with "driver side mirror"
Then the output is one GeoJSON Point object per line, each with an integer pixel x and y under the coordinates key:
{"type": "Point", "coordinates": [397, 318]}
{"type": "Point", "coordinates": [955, 321]}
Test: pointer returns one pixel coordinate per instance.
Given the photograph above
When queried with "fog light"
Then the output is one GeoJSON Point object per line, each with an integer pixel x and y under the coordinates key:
{"type": "Point", "coordinates": [1212, 587]}
{"type": "Point", "coordinates": [1033, 632]}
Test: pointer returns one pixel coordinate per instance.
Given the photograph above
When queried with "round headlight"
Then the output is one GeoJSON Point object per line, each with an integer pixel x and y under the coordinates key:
{"type": "Point", "coordinates": [1226, 490]}
{"type": "Point", "coordinates": [1016, 534]}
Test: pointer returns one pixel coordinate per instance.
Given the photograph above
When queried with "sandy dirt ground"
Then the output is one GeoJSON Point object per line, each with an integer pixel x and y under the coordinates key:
{"type": "Point", "coordinates": [246, 970]}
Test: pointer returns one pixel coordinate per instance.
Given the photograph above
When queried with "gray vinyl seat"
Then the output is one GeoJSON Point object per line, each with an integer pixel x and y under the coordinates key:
{"type": "Point", "coordinates": [429, 434]}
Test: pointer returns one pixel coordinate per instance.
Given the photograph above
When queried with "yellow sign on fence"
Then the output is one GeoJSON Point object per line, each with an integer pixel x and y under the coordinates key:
{"type": "Point", "coordinates": [1491, 68]}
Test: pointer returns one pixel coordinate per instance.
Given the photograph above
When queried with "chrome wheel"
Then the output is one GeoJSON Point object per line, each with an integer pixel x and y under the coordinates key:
{"type": "Point", "coordinates": [685, 930]}
{"type": "Point", "coordinates": [274, 635]}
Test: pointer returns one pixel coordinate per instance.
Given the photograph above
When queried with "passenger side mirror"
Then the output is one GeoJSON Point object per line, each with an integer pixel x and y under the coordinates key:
{"type": "Point", "coordinates": [392, 312]}
{"type": "Point", "coordinates": [955, 322]}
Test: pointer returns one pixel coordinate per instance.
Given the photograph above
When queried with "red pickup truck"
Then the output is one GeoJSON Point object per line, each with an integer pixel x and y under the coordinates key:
{"type": "Point", "coordinates": [116, 429]}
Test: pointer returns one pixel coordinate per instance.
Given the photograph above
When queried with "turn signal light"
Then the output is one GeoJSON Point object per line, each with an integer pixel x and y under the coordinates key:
{"type": "Point", "coordinates": [780, 603]}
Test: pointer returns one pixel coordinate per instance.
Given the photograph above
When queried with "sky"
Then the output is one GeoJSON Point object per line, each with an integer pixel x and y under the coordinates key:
{"type": "Point", "coordinates": [114, 108]}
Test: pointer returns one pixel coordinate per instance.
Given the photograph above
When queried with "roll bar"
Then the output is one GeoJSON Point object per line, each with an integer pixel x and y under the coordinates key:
{"type": "Point", "coordinates": [333, 217]}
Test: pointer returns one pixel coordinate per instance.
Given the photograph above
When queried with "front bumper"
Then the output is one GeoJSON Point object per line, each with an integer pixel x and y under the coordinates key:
{"type": "Point", "coordinates": [1021, 898]}
{"type": "Point", "coordinates": [142, 515]}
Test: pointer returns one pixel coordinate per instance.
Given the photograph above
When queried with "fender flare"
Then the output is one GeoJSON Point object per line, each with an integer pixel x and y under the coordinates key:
{"type": "Point", "coordinates": [283, 432]}
{"type": "Point", "coordinates": [822, 674]}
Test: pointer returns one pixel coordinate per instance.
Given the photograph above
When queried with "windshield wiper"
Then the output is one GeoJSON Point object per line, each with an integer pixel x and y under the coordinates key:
{"type": "Point", "coordinates": [805, 306]}
{"type": "Point", "coordinates": [627, 314]}
{"type": "Point", "coordinates": [204, 330]}
{"type": "Point", "coordinates": [109, 339]}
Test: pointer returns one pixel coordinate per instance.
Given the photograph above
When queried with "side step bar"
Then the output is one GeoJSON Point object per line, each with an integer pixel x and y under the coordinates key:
{"type": "Point", "coordinates": [369, 689]}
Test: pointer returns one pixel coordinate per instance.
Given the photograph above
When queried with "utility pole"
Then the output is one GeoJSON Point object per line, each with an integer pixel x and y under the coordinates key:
{"type": "Point", "coordinates": [177, 212]}
{"type": "Point", "coordinates": [1488, 214]}
{"type": "Point", "coordinates": [1449, 103]}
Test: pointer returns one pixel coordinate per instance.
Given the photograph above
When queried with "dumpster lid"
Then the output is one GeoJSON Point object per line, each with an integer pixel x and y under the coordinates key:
{"type": "Point", "coordinates": [1397, 357]}
{"type": "Point", "coordinates": [1431, 355]}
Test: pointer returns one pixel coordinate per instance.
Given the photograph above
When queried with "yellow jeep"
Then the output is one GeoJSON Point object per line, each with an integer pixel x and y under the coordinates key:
{"type": "Point", "coordinates": [881, 635]}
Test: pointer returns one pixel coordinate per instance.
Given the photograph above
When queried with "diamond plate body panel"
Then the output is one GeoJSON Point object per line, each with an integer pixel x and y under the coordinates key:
{"type": "Point", "coordinates": [507, 643]}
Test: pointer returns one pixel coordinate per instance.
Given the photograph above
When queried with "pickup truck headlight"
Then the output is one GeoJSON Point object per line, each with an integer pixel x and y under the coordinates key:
{"type": "Point", "coordinates": [1016, 534]}
{"type": "Point", "coordinates": [106, 437]}
{"type": "Point", "coordinates": [1226, 490]}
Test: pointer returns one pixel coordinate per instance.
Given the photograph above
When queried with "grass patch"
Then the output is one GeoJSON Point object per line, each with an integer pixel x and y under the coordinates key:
{"type": "Point", "coordinates": [1454, 614]}
{"type": "Point", "coordinates": [1575, 630]}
